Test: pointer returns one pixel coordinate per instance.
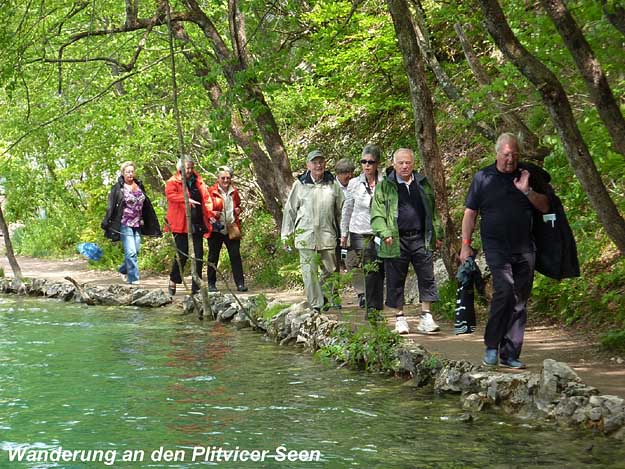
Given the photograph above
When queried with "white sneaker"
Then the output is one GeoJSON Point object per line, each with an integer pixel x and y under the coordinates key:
{"type": "Point", "coordinates": [427, 323]}
{"type": "Point", "coordinates": [136, 282]}
{"type": "Point", "coordinates": [124, 277]}
{"type": "Point", "coordinates": [401, 325]}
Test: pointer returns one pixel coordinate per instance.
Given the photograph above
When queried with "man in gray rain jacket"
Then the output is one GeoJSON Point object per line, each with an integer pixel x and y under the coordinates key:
{"type": "Point", "coordinates": [312, 213]}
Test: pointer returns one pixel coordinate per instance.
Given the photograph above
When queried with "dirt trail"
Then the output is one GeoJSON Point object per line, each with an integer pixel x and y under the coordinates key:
{"type": "Point", "coordinates": [594, 367]}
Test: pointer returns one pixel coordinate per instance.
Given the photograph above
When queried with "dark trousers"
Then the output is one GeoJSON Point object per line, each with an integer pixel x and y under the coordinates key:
{"type": "Point", "coordinates": [340, 262]}
{"type": "Point", "coordinates": [214, 247]}
{"type": "Point", "coordinates": [512, 285]}
{"type": "Point", "coordinates": [413, 251]}
{"type": "Point", "coordinates": [365, 249]}
{"type": "Point", "coordinates": [182, 249]}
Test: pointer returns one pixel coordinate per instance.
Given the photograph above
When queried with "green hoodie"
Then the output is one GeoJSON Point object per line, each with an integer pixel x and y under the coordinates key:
{"type": "Point", "coordinates": [384, 214]}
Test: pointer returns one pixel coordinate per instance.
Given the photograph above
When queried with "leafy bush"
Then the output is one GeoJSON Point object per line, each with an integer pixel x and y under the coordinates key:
{"type": "Point", "coordinates": [47, 237]}
{"type": "Point", "coordinates": [446, 306]}
{"type": "Point", "coordinates": [372, 347]}
{"type": "Point", "coordinates": [263, 257]}
{"type": "Point", "coordinates": [614, 340]}
{"type": "Point", "coordinates": [597, 298]}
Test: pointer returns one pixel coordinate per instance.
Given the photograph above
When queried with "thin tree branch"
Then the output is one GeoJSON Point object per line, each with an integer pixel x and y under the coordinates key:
{"type": "Point", "coordinates": [132, 24]}
{"type": "Point", "coordinates": [79, 105]}
{"type": "Point", "coordinates": [449, 88]}
{"type": "Point", "coordinates": [590, 69]}
{"type": "Point", "coordinates": [262, 20]}
{"type": "Point", "coordinates": [108, 60]}
{"type": "Point", "coordinates": [531, 143]}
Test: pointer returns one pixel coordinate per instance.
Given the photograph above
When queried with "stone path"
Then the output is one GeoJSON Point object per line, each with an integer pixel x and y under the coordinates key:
{"type": "Point", "coordinates": [595, 367]}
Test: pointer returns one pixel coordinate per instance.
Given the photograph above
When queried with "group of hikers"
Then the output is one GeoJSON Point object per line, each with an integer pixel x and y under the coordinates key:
{"type": "Point", "coordinates": [215, 215]}
{"type": "Point", "coordinates": [383, 220]}
{"type": "Point", "coordinates": [388, 220]}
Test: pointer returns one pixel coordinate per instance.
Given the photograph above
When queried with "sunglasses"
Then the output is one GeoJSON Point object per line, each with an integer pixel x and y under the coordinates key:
{"type": "Point", "coordinates": [371, 162]}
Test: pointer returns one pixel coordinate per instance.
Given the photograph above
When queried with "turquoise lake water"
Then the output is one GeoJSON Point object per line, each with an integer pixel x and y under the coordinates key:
{"type": "Point", "coordinates": [127, 387]}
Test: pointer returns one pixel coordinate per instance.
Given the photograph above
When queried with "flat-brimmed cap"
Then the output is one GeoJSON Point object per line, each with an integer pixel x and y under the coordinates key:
{"type": "Point", "coordinates": [314, 154]}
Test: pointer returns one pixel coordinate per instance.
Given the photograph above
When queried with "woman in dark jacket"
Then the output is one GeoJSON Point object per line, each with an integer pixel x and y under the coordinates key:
{"type": "Point", "coordinates": [129, 214]}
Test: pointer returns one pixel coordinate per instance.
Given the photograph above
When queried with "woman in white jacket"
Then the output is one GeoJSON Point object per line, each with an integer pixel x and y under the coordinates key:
{"type": "Point", "coordinates": [367, 270]}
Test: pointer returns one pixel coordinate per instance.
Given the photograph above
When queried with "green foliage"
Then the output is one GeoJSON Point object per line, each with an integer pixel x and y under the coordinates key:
{"type": "Point", "coordinates": [614, 340]}
{"type": "Point", "coordinates": [47, 237]}
{"type": "Point", "coordinates": [1, 272]}
{"type": "Point", "coordinates": [334, 285]}
{"type": "Point", "coordinates": [596, 299]}
{"type": "Point", "coordinates": [157, 254]}
{"type": "Point", "coordinates": [372, 347]}
{"type": "Point", "coordinates": [269, 313]}
{"type": "Point", "coordinates": [264, 259]}
{"type": "Point", "coordinates": [432, 362]}
{"type": "Point", "coordinates": [446, 306]}
{"type": "Point", "coordinates": [261, 310]}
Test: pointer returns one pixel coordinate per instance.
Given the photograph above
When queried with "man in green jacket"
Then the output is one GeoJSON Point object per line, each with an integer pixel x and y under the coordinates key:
{"type": "Point", "coordinates": [312, 212]}
{"type": "Point", "coordinates": [404, 218]}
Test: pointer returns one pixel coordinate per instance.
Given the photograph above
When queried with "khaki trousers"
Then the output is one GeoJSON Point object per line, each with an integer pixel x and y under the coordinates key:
{"type": "Point", "coordinates": [310, 261]}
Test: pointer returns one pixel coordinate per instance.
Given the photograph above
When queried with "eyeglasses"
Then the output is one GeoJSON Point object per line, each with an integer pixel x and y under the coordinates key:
{"type": "Point", "coordinates": [371, 162]}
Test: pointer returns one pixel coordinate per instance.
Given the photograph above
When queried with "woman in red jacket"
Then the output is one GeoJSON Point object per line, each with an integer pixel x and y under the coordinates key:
{"type": "Point", "coordinates": [176, 220]}
{"type": "Point", "coordinates": [226, 204]}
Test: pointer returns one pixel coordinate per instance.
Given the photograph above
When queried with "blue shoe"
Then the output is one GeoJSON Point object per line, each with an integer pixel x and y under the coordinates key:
{"type": "Point", "coordinates": [513, 363]}
{"type": "Point", "coordinates": [490, 357]}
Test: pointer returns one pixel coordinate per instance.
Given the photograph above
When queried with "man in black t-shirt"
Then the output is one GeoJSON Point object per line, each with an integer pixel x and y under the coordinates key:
{"type": "Point", "coordinates": [501, 194]}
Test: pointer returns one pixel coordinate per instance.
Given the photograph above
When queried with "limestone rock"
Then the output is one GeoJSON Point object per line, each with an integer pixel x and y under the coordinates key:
{"type": "Point", "coordinates": [449, 379]}
{"type": "Point", "coordinates": [241, 321]}
{"type": "Point", "coordinates": [554, 379]}
{"type": "Point", "coordinates": [150, 298]}
{"type": "Point", "coordinates": [474, 402]}
{"type": "Point", "coordinates": [228, 313]}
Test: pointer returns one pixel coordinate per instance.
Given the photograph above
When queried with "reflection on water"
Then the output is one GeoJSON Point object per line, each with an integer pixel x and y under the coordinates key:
{"type": "Point", "coordinates": [112, 379]}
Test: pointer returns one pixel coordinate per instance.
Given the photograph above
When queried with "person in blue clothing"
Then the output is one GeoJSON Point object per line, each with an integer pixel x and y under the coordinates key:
{"type": "Point", "coordinates": [506, 196]}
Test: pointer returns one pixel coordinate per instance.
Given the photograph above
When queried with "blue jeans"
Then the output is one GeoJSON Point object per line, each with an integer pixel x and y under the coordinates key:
{"type": "Point", "coordinates": [131, 241]}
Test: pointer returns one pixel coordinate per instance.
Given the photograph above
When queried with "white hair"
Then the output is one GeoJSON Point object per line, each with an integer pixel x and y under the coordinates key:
{"type": "Point", "coordinates": [225, 169]}
{"type": "Point", "coordinates": [180, 165]}
{"type": "Point", "coordinates": [504, 138]}
{"type": "Point", "coordinates": [402, 150]}
{"type": "Point", "coordinates": [125, 164]}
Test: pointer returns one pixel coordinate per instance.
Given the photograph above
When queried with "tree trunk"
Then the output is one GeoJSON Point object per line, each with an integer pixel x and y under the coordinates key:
{"type": "Point", "coordinates": [531, 146]}
{"type": "Point", "coordinates": [591, 71]}
{"type": "Point", "coordinates": [557, 102]}
{"type": "Point", "coordinates": [271, 186]}
{"type": "Point", "coordinates": [252, 98]}
{"type": "Point", "coordinates": [450, 90]}
{"type": "Point", "coordinates": [262, 113]}
{"type": "Point", "coordinates": [425, 125]}
{"type": "Point", "coordinates": [616, 17]}
{"type": "Point", "coordinates": [8, 246]}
